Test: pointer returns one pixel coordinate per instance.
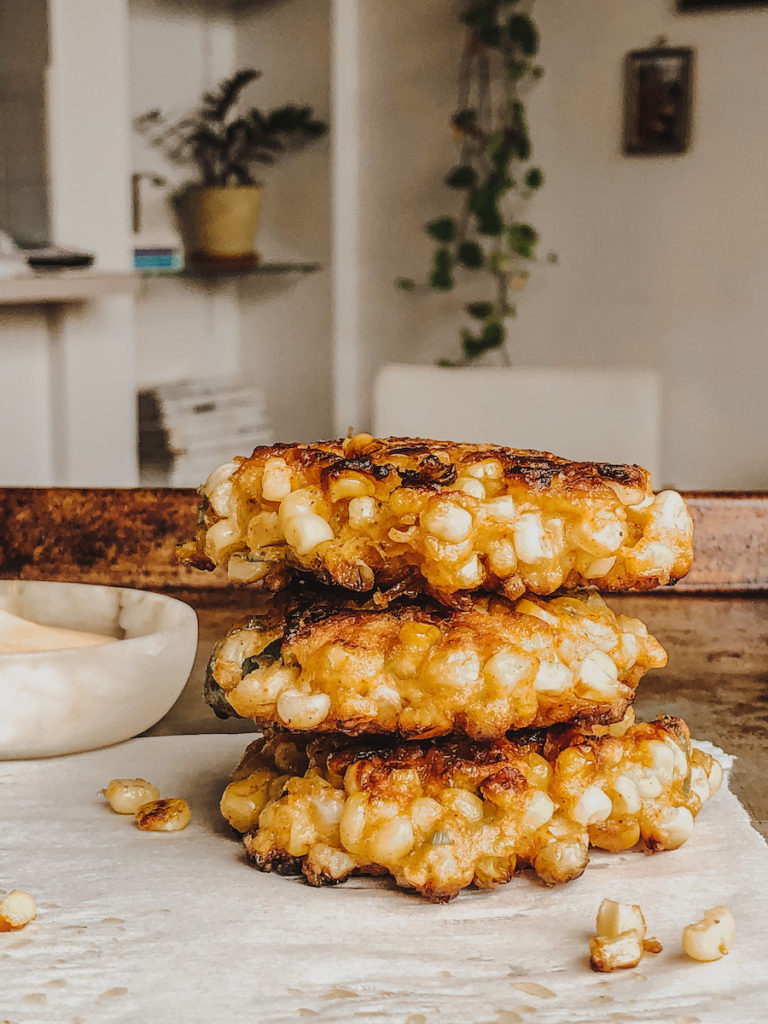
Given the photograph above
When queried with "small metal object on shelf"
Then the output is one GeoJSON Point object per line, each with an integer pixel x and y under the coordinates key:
{"type": "Point", "coordinates": [187, 428]}
{"type": "Point", "coordinates": [222, 269]}
{"type": "Point", "coordinates": [54, 257]}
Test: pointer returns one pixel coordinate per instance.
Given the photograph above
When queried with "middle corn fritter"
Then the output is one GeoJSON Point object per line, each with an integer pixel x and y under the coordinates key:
{"type": "Point", "coordinates": [421, 670]}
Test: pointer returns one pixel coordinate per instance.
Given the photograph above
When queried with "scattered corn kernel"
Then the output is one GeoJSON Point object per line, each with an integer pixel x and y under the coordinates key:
{"type": "Point", "coordinates": [615, 954]}
{"type": "Point", "coordinates": [126, 796]}
{"type": "Point", "coordinates": [711, 937]}
{"type": "Point", "coordinates": [614, 918]}
{"type": "Point", "coordinates": [17, 909]}
{"type": "Point", "coordinates": [169, 815]}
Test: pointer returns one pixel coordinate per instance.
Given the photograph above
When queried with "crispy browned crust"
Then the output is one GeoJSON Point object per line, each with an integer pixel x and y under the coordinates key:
{"type": "Point", "coordinates": [434, 465]}
{"type": "Point", "coordinates": [396, 551]}
{"type": "Point", "coordinates": [422, 669]}
{"type": "Point", "coordinates": [442, 815]}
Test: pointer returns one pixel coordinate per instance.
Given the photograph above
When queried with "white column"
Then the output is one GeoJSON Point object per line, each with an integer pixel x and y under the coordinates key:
{"type": "Point", "coordinates": [350, 399]}
{"type": "Point", "coordinates": [91, 344]}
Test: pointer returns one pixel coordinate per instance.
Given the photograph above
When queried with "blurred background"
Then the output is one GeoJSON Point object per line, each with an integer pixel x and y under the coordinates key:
{"type": "Point", "coordinates": [148, 344]}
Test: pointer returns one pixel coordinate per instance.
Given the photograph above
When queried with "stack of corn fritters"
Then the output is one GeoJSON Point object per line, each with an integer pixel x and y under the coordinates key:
{"type": "Point", "coordinates": [430, 712]}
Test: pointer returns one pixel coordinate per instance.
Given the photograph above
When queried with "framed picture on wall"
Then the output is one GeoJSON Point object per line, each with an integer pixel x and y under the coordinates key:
{"type": "Point", "coordinates": [719, 5]}
{"type": "Point", "coordinates": [658, 85]}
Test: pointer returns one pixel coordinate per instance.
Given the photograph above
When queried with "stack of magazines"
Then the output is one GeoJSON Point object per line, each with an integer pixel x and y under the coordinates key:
{"type": "Point", "coordinates": [185, 426]}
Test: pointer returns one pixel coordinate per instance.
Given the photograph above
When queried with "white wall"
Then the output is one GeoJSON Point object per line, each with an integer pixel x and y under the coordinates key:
{"type": "Point", "coordinates": [662, 259]}
{"type": "Point", "coordinates": [23, 60]}
{"type": "Point", "coordinates": [183, 328]}
{"type": "Point", "coordinates": [285, 327]}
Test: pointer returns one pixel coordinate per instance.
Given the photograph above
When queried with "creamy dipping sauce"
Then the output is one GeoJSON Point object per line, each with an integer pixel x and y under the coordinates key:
{"type": "Point", "coordinates": [18, 636]}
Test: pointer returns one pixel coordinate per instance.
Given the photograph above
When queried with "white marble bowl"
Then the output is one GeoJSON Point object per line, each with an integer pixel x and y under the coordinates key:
{"type": "Point", "coordinates": [62, 702]}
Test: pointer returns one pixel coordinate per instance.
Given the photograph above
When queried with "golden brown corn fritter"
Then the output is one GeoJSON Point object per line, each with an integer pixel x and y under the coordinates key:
{"type": "Point", "coordinates": [446, 814]}
{"type": "Point", "coordinates": [440, 517]}
{"type": "Point", "coordinates": [422, 670]}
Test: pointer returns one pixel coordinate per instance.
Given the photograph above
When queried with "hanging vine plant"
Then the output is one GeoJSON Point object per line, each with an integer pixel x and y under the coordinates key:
{"type": "Point", "coordinates": [493, 174]}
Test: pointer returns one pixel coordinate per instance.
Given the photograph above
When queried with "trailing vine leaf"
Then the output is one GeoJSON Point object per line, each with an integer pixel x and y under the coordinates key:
{"type": "Point", "coordinates": [463, 176]}
{"type": "Point", "coordinates": [471, 345]}
{"type": "Point", "coordinates": [502, 264]}
{"type": "Point", "coordinates": [479, 310]}
{"type": "Point", "coordinates": [470, 255]}
{"type": "Point", "coordinates": [498, 149]}
{"type": "Point", "coordinates": [490, 34]}
{"type": "Point", "coordinates": [441, 277]}
{"type": "Point", "coordinates": [524, 33]}
{"type": "Point", "coordinates": [491, 223]}
{"type": "Point", "coordinates": [522, 240]}
{"type": "Point", "coordinates": [517, 69]}
{"type": "Point", "coordinates": [522, 141]}
{"type": "Point", "coordinates": [493, 335]}
{"type": "Point", "coordinates": [406, 283]}
{"type": "Point", "coordinates": [443, 229]}
{"type": "Point", "coordinates": [534, 178]}
{"type": "Point", "coordinates": [465, 120]}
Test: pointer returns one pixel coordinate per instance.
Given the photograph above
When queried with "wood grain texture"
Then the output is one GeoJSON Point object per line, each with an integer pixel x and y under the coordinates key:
{"type": "Point", "coordinates": [98, 535]}
{"type": "Point", "coordinates": [730, 542]}
{"type": "Point", "coordinates": [128, 537]}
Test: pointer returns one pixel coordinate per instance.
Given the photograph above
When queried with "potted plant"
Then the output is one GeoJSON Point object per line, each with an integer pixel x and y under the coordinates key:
{"type": "Point", "coordinates": [218, 214]}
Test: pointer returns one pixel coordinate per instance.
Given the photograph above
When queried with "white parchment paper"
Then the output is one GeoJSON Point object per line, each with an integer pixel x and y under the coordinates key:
{"type": "Point", "coordinates": [143, 927]}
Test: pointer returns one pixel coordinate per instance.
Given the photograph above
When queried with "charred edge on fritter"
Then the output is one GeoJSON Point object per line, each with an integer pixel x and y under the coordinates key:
{"type": "Point", "coordinates": [276, 860]}
{"type": "Point", "coordinates": [302, 617]}
{"type": "Point", "coordinates": [431, 473]}
{"type": "Point", "coordinates": [359, 464]}
{"type": "Point", "coordinates": [214, 695]}
{"type": "Point", "coordinates": [537, 469]}
{"type": "Point", "coordinates": [191, 553]}
{"type": "Point", "coordinates": [441, 761]}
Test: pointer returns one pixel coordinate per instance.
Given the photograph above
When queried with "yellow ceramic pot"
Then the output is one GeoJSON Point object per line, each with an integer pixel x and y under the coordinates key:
{"type": "Point", "coordinates": [219, 224]}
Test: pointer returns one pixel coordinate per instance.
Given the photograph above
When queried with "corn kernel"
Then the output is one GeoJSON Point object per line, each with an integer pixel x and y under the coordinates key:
{"type": "Point", "coordinates": [276, 480]}
{"type": "Point", "coordinates": [350, 485]}
{"type": "Point", "coordinates": [613, 918]}
{"type": "Point", "coordinates": [447, 521]}
{"type": "Point", "coordinates": [418, 634]}
{"type": "Point", "coordinates": [712, 937]}
{"type": "Point", "coordinates": [614, 954]}
{"type": "Point", "coordinates": [299, 710]}
{"type": "Point", "coordinates": [125, 796]}
{"type": "Point", "coordinates": [362, 512]}
{"type": "Point", "coordinates": [17, 909]}
{"type": "Point", "coordinates": [306, 531]}
{"type": "Point", "coordinates": [168, 815]}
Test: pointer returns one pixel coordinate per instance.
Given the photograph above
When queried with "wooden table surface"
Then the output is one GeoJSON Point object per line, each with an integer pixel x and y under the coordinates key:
{"type": "Point", "coordinates": [714, 624]}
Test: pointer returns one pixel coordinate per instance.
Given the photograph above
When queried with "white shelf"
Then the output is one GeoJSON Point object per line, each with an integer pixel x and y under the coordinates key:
{"type": "Point", "coordinates": [65, 286]}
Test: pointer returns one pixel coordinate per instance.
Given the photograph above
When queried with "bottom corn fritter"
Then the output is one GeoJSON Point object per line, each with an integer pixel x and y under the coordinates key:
{"type": "Point", "coordinates": [443, 815]}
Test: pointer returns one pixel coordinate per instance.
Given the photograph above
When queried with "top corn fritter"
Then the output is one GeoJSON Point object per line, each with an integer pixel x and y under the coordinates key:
{"type": "Point", "coordinates": [442, 517]}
